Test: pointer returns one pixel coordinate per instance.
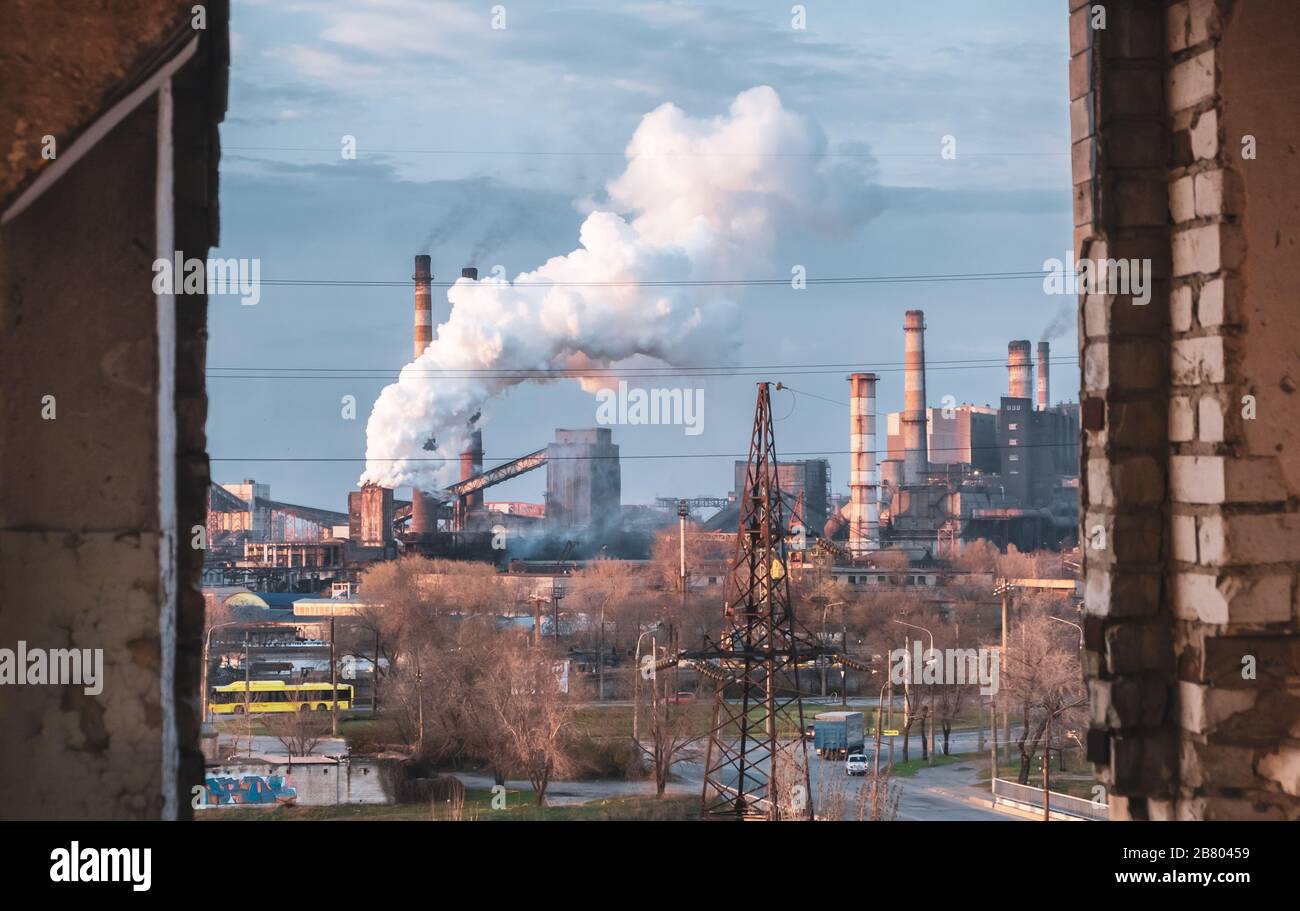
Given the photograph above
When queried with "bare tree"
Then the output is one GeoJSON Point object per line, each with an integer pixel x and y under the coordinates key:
{"type": "Point", "coordinates": [879, 801]}
{"type": "Point", "coordinates": [465, 718]}
{"type": "Point", "coordinates": [299, 732]}
{"type": "Point", "coordinates": [979, 556]}
{"type": "Point", "coordinates": [1042, 676]}
{"type": "Point", "coordinates": [523, 697]}
{"type": "Point", "coordinates": [409, 605]}
{"type": "Point", "coordinates": [670, 738]}
{"type": "Point", "coordinates": [601, 589]}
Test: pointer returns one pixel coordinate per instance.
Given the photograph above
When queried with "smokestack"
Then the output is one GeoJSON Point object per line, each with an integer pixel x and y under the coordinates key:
{"type": "Point", "coordinates": [1044, 380]}
{"type": "Point", "coordinates": [1020, 372]}
{"type": "Point", "coordinates": [423, 519]}
{"type": "Point", "coordinates": [423, 303]}
{"type": "Point", "coordinates": [469, 272]}
{"type": "Point", "coordinates": [864, 507]}
{"type": "Point", "coordinates": [916, 455]}
{"type": "Point", "coordinates": [471, 466]}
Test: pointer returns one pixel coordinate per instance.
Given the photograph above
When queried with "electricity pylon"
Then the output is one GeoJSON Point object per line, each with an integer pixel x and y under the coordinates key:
{"type": "Point", "coordinates": [756, 766]}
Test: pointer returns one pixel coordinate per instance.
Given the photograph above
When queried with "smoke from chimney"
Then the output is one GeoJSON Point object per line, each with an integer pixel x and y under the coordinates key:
{"type": "Point", "coordinates": [698, 199]}
{"type": "Point", "coordinates": [916, 454]}
{"type": "Point", "coordinates": [864, 507]}
{"type": "Point", "coordinates": [1020, 371]}
{"type": "Point", "coordinates": [1044, 380]}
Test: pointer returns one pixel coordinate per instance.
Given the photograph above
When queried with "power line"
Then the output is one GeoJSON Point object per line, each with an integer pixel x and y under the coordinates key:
{"type": "Point", "coordinates": [846, 365]}
{"type": "Point", "coordinates": [814, 395]}
{"type": "Point", "coordinates": [640, 372]}
{"type": "Point", "coordinates": [622, 153]}
{"type": "Point", "coordinates": [601, 373]}
{"type": "Point", "coordinates": [641, 456]}
{"type": "Point", "coordinates": [682, 283]}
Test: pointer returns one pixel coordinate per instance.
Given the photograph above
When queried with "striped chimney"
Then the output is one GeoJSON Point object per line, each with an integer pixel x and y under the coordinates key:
{"type": "Point", "coordinates": [864, 507]}
{"type": "Point", "coordinates": [423, 303]}
{"type": "Point", "coordinates": [423, 518]}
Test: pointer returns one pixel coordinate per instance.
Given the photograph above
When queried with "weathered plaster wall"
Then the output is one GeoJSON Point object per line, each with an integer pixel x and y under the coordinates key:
{"type": "Point", "coordinates": [79, 502]}
{"type": "Point", "coordinates": [82, 497]}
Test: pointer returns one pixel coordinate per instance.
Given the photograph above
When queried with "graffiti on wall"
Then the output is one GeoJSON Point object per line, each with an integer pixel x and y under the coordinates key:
{"type": "Point", "coordinates": [225, 790]}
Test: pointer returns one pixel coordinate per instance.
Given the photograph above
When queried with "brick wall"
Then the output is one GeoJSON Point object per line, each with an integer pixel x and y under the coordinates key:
{"type": "Point", "coordinates": [1192, 578]}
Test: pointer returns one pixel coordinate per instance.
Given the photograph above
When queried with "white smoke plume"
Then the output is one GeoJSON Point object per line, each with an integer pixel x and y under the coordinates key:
{"type": "Point", "coordinates": [700, 199]}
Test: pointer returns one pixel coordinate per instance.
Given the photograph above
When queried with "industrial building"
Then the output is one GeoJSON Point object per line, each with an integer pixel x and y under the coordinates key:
{"type": "Point", "coordinates": [960, 473]}
{"type": "Point", "coordinates": [254, 540]}
{"type": "Point", "coordinates": [583, 483]}
{"type": "Point", "coordinates": [244, 512]}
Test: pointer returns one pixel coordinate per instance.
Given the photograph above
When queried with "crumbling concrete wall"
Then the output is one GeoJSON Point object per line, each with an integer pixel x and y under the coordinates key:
{"type": "Point", "coordinates": [1190, 491]}
{"type": "Point", "coordinates": [100, 483]}
{"type": "Point", "coordinates": [80, 496]}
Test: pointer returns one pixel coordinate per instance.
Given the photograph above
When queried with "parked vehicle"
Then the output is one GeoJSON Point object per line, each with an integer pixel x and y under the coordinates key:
{"type": "Point", "coordinates": [856, 764]}
{"type": "Point", "coordinates": [837, 734]}
{"type": "Point", "coordinates": [684, 697]}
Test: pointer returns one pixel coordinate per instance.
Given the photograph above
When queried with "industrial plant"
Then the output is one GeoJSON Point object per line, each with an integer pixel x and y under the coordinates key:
{"type": "Point", "coordinates": [935, 479]}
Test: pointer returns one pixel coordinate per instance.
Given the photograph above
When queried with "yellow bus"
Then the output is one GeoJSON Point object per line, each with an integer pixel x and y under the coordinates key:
{"type": "Point", "coordinates": [276, 696]}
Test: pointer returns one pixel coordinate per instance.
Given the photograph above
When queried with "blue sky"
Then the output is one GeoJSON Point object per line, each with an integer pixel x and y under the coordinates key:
{"type": "Point", "coordinates": [485, 143]}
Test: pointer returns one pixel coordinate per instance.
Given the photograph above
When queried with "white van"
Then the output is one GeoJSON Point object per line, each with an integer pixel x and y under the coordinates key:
{"type": "Point", "coordinates": [856, 764]}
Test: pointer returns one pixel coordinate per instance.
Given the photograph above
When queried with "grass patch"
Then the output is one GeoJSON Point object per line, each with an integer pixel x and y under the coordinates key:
{"type": "Point", "coordinates": [912, 766]}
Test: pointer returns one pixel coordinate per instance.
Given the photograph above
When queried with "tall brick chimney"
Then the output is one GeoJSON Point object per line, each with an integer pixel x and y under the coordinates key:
{"type": "Point", "coordinates": [423, 519]}
{"type": "Point", "coordinates": [864, 508]}
{"type": "Point", "coordinates": [916, 454]}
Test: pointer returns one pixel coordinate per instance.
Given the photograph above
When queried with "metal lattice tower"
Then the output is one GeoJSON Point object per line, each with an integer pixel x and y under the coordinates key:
{"type": "Point", "coordinates": [756, 766]}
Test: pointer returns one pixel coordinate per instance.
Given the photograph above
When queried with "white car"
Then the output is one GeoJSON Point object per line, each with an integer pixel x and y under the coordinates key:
{"type": "Point", "coordinates": [856, 764]}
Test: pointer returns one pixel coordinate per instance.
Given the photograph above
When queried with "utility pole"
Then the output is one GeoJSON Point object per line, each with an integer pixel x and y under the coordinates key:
{"type": "Point", "coordinates": [1005, 589]}
{"type": "Point", "coordinates": [248, 688]}
{"type": "Point", "coordinates": [556, 588]}
{"type": "Point", "coordinates": [880, 714]}
{"type": "Point", "coordinates": [993, 747]}
{"type": "Point", "coordinates": [683, 510]}
{"type": "Point", "coordinates": [844, 668]}
{"type": "Point", "coordinates": [334, 682]}
{"type": "Point", "coordinates": [907, 698]}
{"type": "Point", "coordinates": [821, 659]}
{"type": "Point", "coordinates": [600, 655]}
{"type": "Point", "coordinates": [374, 699]}
{"type": "Point", "coordinates": [890, 695]}
{"type": "Point", "coordinates": [1047, 761]}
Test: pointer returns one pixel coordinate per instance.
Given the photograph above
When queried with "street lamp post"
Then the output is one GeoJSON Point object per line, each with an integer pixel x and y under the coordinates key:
{"type": "Point", "coordinates": [930, 712]}
{"type": "Point", "coordinates": [636, 681]}
{"type": "Point", "coordinates": [822, 658]}
{"type": "Point", "coordinates": [207, 644]}
{"type": "Point", "coordinates": [1004, 589]}
{"type": "Point", "coordinates": [1047, 755]}
{"type": "Point", "coordinates": [1075, 625]}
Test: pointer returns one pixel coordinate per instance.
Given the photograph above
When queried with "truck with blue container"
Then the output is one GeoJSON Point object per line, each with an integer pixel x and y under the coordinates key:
{"type": "Point", "coordinates": [837, 734]}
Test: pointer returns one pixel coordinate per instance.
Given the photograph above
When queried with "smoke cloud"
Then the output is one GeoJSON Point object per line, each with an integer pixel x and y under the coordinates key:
{"type": "Point", "coordinates": [1061, 323]}
{"type": "Point", "coordinates": [699, 199]}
